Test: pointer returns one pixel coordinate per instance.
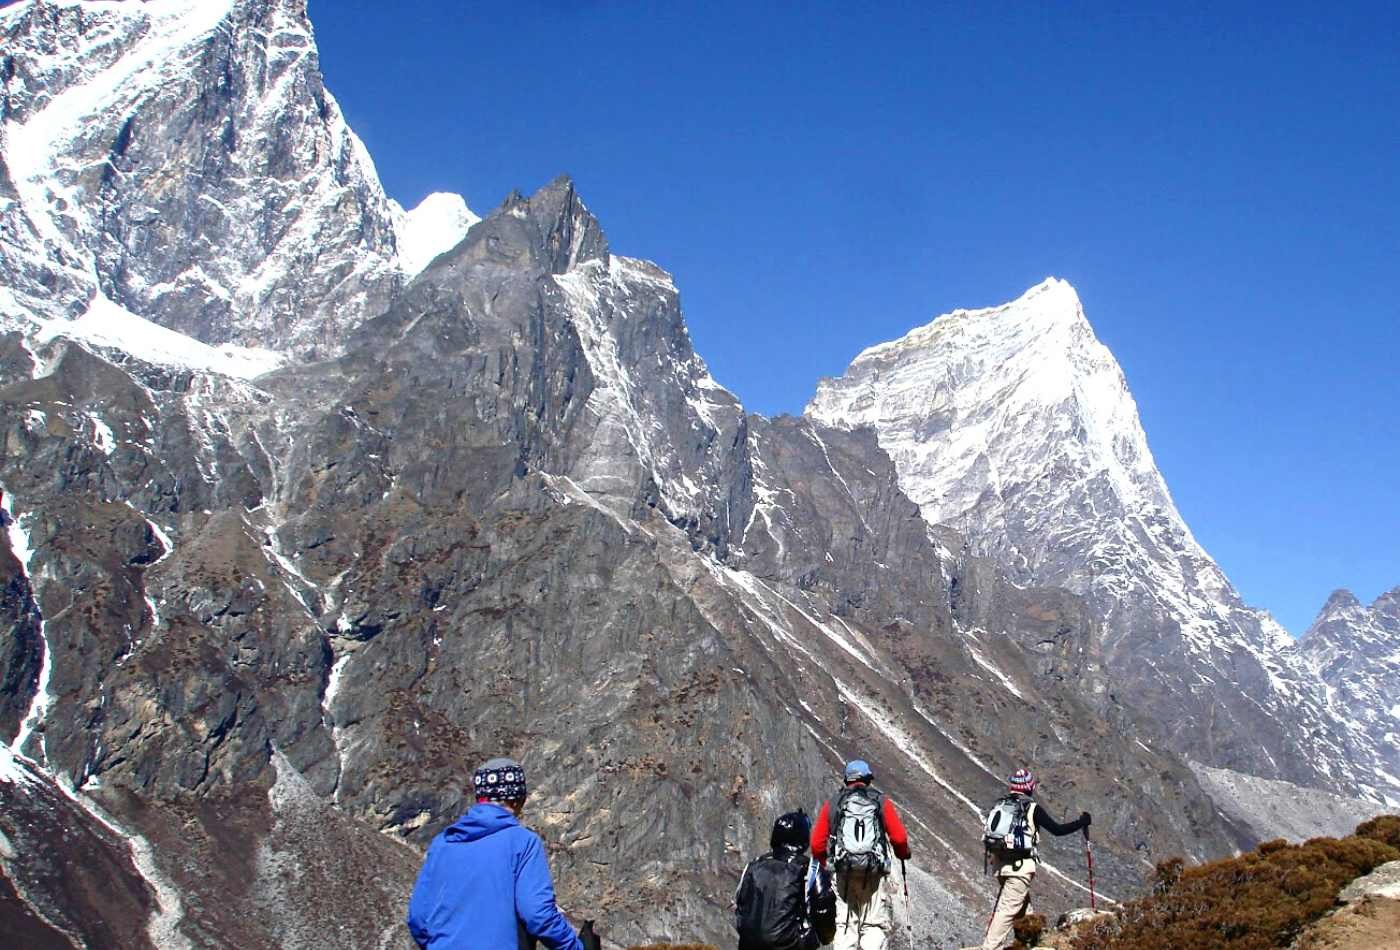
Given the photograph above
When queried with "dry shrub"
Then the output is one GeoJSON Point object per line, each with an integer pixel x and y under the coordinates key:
{"type": "Point", "coordinates": [1168, 874]}
{"type": "Point", "coordinates": [1385, 829]}
{"type": "Point", "coordinates": [1256, 901]}
{"type": "Point", "coordinates": [1028, 930]}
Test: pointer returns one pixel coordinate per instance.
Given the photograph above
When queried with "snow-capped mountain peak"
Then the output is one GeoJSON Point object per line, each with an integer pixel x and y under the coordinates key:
{"type": "Point", "coordinates": [1015, 426]}
{"type": "Point", "coordinates": [1339, 601]}
{"type": "Point", "coordinates": [1346, 631]}
{"type": "Point", "coordinates": [981, 398]}
{"type": "Point", "coordinates": [437, 224]}
{"type": "Point", "coordinates": [1355, 650]}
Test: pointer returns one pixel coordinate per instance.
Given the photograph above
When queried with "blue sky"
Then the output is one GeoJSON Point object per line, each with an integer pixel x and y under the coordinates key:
{"type": "Point", "coordinates": [1221, 183]}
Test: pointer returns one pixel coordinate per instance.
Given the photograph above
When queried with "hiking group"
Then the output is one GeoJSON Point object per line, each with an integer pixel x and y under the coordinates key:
{"type": "Point", "coordinates": [485, 882]}
{"type": "Point", "coordinates": [856, 836]}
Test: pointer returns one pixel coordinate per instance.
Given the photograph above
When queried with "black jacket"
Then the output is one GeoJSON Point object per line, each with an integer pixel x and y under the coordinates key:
{"type": "Point", "coordinates": [1044, 822]}
{"type": "Point", "coordinates": [784, 902]}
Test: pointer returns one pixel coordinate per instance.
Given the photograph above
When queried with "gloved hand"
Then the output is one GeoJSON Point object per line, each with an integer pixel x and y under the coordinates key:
{"type": "Point", "coordinates": [589, 938]}
{"type": "Point", "coordinates": [1087, 818]}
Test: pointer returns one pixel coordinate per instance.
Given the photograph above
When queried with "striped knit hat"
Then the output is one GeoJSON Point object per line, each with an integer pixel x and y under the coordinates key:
{"type": "Point", "coordinates": [1022, 781]}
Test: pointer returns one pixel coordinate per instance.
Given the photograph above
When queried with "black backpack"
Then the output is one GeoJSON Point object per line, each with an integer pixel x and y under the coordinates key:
{"type": "Point", "coordinates": [770, 908]}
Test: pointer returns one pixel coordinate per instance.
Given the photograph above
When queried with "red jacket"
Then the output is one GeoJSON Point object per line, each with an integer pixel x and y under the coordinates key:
{"type": "Point", "coordinates": [894, 830]}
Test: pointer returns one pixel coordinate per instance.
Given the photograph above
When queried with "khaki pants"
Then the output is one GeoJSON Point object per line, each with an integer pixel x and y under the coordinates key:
{"type": "Point", "coordinates": [1013, 901]}
{"type": "Point", "coordinates": [863, 915]}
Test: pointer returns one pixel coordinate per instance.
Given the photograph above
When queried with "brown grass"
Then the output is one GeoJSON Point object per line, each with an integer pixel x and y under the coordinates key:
{"type": "Point", "coordinates": [1259, 900]}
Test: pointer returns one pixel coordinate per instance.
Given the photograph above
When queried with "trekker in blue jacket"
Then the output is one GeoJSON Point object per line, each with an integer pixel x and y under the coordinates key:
{"type": "Point", "coordinates": [485, 882]}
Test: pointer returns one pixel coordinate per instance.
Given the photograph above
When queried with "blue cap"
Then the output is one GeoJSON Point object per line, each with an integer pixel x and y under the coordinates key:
{"type": "Point", "coordinates": [858, 770]}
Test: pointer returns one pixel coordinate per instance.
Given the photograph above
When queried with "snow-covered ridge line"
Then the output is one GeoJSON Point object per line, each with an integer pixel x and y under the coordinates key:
{"type": "Point", "coordinates": [921, 334]}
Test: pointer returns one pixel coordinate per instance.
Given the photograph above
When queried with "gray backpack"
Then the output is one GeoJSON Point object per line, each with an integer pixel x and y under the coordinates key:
{"type": "Point", "coordinates": [1006, 832]}
{"type": "Point", "coordinates": [857, 843]}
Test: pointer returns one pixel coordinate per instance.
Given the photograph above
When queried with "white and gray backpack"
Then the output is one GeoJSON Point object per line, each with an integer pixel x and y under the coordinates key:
{"type": "Point", "coordinates": [1007, 833]}
{"type": "Point", "coordinates": [858, 844]}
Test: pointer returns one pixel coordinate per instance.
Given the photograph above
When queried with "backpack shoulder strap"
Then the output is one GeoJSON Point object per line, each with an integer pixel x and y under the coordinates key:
{"type": "Point", "coordinates": [877, 797]}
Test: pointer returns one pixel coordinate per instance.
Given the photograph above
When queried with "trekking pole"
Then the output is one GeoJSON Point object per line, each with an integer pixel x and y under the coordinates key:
{"type": "Point", "coordinates": [908, 917]}
{"type": "Point", "coordinates": [1089, 855]}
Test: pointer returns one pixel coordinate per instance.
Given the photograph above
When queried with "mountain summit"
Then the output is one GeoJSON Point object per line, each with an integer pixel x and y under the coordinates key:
{"type": "Point", "coordinates": [1356, 651]}
{"type": "Point", "coordinates": [1015, 426]}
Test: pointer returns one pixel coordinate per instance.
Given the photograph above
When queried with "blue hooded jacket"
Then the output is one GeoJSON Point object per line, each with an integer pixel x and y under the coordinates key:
{"type": "Point", "coordinates": [485, 885]}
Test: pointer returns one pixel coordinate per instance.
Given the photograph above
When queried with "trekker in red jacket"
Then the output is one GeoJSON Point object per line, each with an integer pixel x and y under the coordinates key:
{"type": "Point", "coordinates": [856, 835]}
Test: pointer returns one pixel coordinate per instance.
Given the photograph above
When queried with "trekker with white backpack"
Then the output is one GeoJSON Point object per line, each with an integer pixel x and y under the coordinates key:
{"type": "Point", "coordinates": [856, 832]}
{"type": "Point", "coordinates": [1010, 839]}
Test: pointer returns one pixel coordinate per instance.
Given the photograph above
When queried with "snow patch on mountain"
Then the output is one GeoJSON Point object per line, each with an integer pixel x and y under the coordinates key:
{"type": "Point", "coordinates": [436, 225]}
{"type": "Point", "coordinates": [23, 550]}
{"type": "Point", "coordinates": [15, 770]}
{"type": "Point", "coordinates": [989, 666]}
{"type": "Point", "coordinates": [106, 325]}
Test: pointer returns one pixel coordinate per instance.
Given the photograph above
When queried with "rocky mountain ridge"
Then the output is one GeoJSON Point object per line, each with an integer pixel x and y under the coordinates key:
{"type": "Point", "coordinates": [267, 611]}
{"type": "Point", "coordinates": [1355, 650]}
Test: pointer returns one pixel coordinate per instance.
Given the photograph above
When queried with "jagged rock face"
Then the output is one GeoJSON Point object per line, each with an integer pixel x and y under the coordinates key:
{"type": "Point", "coordinates": [1356, 651]}
{"type": "Point", "coordinates": [186, 161]}
{"type": "Point", "coordinates": [1015, 426]}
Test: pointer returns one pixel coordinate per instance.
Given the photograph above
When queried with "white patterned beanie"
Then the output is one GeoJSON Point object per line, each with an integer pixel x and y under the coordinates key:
{"type": "Point", "coordinates": [500, 780]}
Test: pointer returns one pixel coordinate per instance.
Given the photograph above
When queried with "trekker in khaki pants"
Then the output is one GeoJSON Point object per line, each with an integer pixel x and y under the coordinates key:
{"type": "Point", "coordinates": [1021, 856]}
{"type": "Point", "coordinates": [857, 830]}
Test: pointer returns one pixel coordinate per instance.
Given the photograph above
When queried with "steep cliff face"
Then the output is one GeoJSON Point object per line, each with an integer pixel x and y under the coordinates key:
{"type": "Point", "coordinates": [1015, 426]}
{"type": "Point", "coordinates": [185, 161]}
